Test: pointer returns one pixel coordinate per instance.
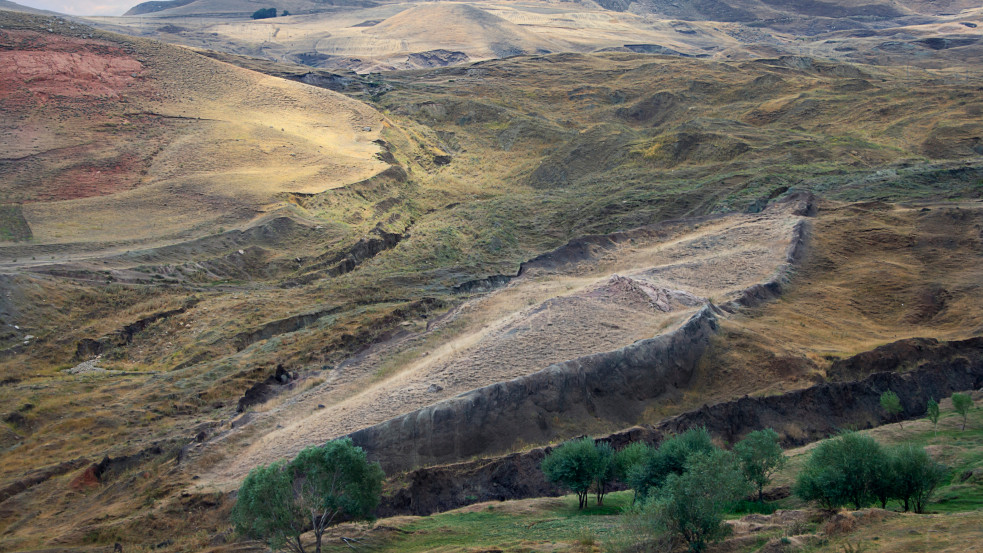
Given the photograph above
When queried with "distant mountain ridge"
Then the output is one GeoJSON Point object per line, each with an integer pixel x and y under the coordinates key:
{"type": "Point", "coordinates": [15, 7]}
{"type": "Point", "coordinates": [156, 6]}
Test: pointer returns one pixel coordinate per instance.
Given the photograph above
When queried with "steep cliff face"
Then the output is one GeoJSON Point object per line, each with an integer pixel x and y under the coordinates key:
{"type": "Point", "coordinates": [799, 417]}
{"type": "Point", "coordinates": [614, 386]}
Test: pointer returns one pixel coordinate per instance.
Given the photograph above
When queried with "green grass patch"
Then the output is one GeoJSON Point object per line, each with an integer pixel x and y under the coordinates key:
{"type": "Point", "coordinates": [528, 525]}
{"type": "Point", "coordinates": [13, 226]}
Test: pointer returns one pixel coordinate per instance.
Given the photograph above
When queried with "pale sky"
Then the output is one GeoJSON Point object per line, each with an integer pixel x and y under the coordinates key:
{"type": "Point", "coordinates": [82, 7]}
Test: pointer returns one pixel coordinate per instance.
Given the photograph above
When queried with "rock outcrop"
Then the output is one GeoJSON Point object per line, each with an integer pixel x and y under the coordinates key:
{"type": "Point", "coordinates": [263, 391]}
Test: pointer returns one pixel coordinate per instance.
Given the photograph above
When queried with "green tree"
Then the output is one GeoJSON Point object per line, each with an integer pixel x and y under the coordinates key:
{"type": "Point", "coordinates": [848, 469]}
{"type": "Point", "coordinates": [670, 458]}
{"type": "Point", "coordinates": [321, 486]}
{"type": "Point", "coordinates": [932, 410]}
{"type": "Point", "coordinates": [265, 508]}
{"type": "Point", "coordinates": [629, 459]}
{"type": "Point", "coordinates": [605, 470]}
{"type": "Point", "coordinates": [576, 465]}
{"type": "Point", "coordinates": [962, 403]}
{"type": "Point", "coordinates": [916, 476]}
{"type": "Point", "coordinates": [760, 455]}
{"type": "Point", "coordinates": [892, 406]}
{"type": "Point", "coordinates": [691, 505]}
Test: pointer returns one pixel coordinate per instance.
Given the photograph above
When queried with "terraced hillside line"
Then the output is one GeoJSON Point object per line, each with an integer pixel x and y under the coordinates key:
{"type": "Point", "coordinates": [800, 417]}
{"type": "Point", "coordinates": [39, 476]}
{"type": "Point", "coordinates": [88, 347]}
{"type": "Point", "coordinates": [280, 326]}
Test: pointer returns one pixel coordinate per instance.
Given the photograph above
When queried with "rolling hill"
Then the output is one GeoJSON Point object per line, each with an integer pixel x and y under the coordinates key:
{"type": "Point", "coordinates": [103, 135]}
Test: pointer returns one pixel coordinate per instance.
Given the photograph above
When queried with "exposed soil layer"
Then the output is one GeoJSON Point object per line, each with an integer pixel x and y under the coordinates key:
{"type": "Point", "coordinates": [89, 347]}
{"type": "Point", "coordinates": [615, 386]}
{"type": "Point", "coordinates": [799, 417]}
{"type": "Point", "coordinates": [40, 67]}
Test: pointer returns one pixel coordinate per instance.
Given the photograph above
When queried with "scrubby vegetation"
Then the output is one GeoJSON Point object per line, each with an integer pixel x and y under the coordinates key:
{"type": "Point", "coordinates": [856, 470]}
{"type": "Point", "coordinates": [962, 403]}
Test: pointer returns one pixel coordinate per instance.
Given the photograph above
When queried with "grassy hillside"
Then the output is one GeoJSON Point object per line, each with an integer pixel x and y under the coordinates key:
{"type": "Point", "coordinates": [105, 134]}
{"type": "Point", "coordinates": [353, 278]}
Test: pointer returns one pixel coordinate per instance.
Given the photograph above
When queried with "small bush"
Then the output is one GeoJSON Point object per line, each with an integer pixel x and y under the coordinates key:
{"type": "Point", "coordinates": [915, 476]}
{"type": "Point", "coordinates": [760, 455]}
{"type": "Point", "coordinates": [892, 406]}
{"type": "Point", "coordinates": [691, 505]}
{"type": "Point", "coordinates": [629, 459]}
{"type": "Point", "coordinates": [932, 411]}
{"type": "Point", "coordinates": [670, 458]}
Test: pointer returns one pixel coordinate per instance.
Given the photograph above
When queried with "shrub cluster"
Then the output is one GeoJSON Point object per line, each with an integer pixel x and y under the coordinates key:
{"type": "Point", "coordinates": [682, 488]}
{"type": "Point", "coordinates": [264, 13]}
{"type": "Point", "coordinates": [855, 470]}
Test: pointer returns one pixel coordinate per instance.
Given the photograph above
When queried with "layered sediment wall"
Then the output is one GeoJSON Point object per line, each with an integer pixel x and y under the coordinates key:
{"type": "Point", "coordinates": [615, 386]}
{"type": "Point", "coordinates": [799, 417]}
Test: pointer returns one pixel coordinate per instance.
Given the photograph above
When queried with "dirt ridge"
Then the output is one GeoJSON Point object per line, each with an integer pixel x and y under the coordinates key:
{"type": "Point", "coordinates": [613, 386]}
{"type": "Point", "coordinates": [800, 417]}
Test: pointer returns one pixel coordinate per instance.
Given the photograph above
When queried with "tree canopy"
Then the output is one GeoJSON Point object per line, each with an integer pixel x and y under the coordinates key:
{"type": "Point", "coordinates": [760, 455]}
{"type": "Point", "coordinates": [323, 485]}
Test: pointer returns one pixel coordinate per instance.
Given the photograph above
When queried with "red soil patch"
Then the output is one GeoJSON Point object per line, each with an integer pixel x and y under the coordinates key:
{"type": "Point", "coordinates": [86, 480]}
{"type": "Point", "coordinates": [70, 103]}
{"type": "Point", "coordinates": [91, 179]}
{"type": "Point", "coordinates": [36, 68]}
